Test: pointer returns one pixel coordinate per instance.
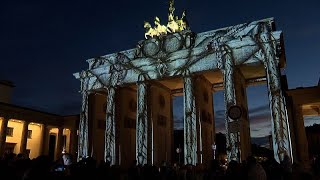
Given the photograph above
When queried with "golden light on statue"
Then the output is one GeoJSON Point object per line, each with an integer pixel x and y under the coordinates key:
{"type": "Point", "coordinates": [174, 24]}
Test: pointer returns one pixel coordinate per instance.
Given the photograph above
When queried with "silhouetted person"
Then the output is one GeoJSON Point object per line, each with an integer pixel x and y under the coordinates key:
{"type": "Point", "coordinates": [40, 169]}
{"type": "Point", "coordinates": [273, 170]}
{"type": "Point", "coordinates": [215, 170]}
{"type": "Point", "coordinates": [133, 171]}
{"type": "Point", "coordinates": [286, 167]}
{"type": "Point", "coordinates": [316, 165]}
{"type": "Point", "coordinates": [255, 170]}
{"type": "Point", "coordinates": [233, 170]}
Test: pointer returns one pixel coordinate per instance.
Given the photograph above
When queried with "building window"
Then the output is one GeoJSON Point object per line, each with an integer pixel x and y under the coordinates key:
{"type": "Point", "coordinates": [10, 131]}
{"type": "Point", "coordinates": [29, 134]}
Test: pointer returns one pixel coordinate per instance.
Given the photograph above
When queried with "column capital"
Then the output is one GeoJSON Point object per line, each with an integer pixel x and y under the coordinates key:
{"type": "Point", "coordinates": [5, 116]}
{"type": "Point", "coordinates": [143, 77]}
{"type": "Point", "coordinates": [227, 61]}
{"type": "Point", "coordinates": [45, 124]}
{"type": "Point", "coordinates": [111, 87]}
{"type": "Point", "coordinates": [101, 91]}
{"type": "Point", "coordinates": [85, 92]}
{"type": "Point", "coordinates": [187, 74]}
{"type": "Point", "coordinates": [27, 121]}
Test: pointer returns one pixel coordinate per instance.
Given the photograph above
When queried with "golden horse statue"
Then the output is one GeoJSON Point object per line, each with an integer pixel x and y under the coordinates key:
{"type": "Point", "coordinates": [150, 31]}
{"type": "Point", "coordinates": [160, 29]}
{"type": "Point", "coordinates": [174, 24]}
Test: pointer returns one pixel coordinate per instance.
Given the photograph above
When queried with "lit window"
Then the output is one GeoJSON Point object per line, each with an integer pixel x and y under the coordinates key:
{"type": "Point", "coordinates": [29, 134]}
{"type": "Point", "coordinates": [10, 131]}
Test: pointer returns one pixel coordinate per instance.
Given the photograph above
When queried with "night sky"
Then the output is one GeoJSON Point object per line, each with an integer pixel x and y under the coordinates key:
{"type": "Point", "coordinates": [42, 43]}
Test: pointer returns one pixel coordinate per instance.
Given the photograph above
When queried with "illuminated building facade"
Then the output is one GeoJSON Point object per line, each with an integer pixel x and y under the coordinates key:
{"type": "Point", "coordinates": [34, 133]}
{"type": "Point", "coordinates": [194, 65]}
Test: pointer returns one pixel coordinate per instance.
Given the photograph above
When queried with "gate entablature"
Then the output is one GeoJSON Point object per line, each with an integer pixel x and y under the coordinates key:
{"type": "Point", "coordinates": [174, 54]}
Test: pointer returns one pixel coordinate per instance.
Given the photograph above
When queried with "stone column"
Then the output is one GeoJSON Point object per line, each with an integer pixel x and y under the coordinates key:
{"type": "Point", "coordinates": [280, 125]}
{"type": "Point", "coordinates": [110, 141]}
{"type": "Point", "coordinates": [301, 138]}
{"type": "Point", "coordinates": [73, 141]}
{"type": "Point", "coordinates": [24, 137]}
{"type": "Point", "coordinates": [143, 147]}
{"type": "Point", "coordinates": [45, 139]}
{"type": "Point", "coordinates": [83, 140]}
{"type": "Point", "coordinates": [3, 135]}
{"type": "Point", "coordinates": [59, 142]}
{"type": "Point", "coordinates": [244, 128]}
{"type": "Point", "coordinates": [230, 100]}
{"type": "Point", "coordinates": [190, 124]}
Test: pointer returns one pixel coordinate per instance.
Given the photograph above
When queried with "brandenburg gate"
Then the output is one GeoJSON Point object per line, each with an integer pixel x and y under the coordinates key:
{"type": "Point", "coordinates": [134, 87]}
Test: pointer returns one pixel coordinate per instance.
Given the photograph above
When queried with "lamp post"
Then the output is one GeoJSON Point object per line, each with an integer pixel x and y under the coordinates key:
{"type": "Point", "coordinates": [214, 147]}
{"type": "Point", "coordinates": [178, 150]}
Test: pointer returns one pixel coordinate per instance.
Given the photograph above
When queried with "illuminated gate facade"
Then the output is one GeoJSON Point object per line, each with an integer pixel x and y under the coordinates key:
{"type": "Point", "coordinates": [178, 60]}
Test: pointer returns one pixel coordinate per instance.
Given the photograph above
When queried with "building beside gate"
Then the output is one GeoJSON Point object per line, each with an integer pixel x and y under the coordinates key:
{"type": "Point", "coordinates": [33, 133]}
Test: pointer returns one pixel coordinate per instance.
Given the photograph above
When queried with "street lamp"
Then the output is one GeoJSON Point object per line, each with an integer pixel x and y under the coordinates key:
{"type": "Point", "coordinates": [178, 150]}
{"type": "Point", "coordinates": [214, 147]}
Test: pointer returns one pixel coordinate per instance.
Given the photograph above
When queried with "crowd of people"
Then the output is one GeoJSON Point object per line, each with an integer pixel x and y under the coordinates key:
{"type": "Point", "coordinates": [19, 167]}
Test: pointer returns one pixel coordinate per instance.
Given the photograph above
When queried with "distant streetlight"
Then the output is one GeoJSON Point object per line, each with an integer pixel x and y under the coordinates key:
{"type": "Point", "coordinates": [214, 148]}
{"type": "Point", "coordinates": [178, 150]}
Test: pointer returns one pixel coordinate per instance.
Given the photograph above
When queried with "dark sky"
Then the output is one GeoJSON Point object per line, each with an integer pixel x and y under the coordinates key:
{"type": "Point", "coordinates": [42, 43]}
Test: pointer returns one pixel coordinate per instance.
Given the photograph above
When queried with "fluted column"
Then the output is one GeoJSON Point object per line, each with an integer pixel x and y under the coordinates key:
{"type": "Point", "coordinates": [110, 141]}
{"type": "Point", "coordinates": [3, 134]}
{"type": "Point", "coordinates": [24, 137]}
{"type": "Point", "coordinates": [83, 141]}
{"type": "Point", "coordinates": [230, 100]}
{"type": "Point", "coordinates": [142, 145]}
{"type": "Point", "coordinates": [279, 122]}
{"type": "Point", "coordinates": [190, 124]}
